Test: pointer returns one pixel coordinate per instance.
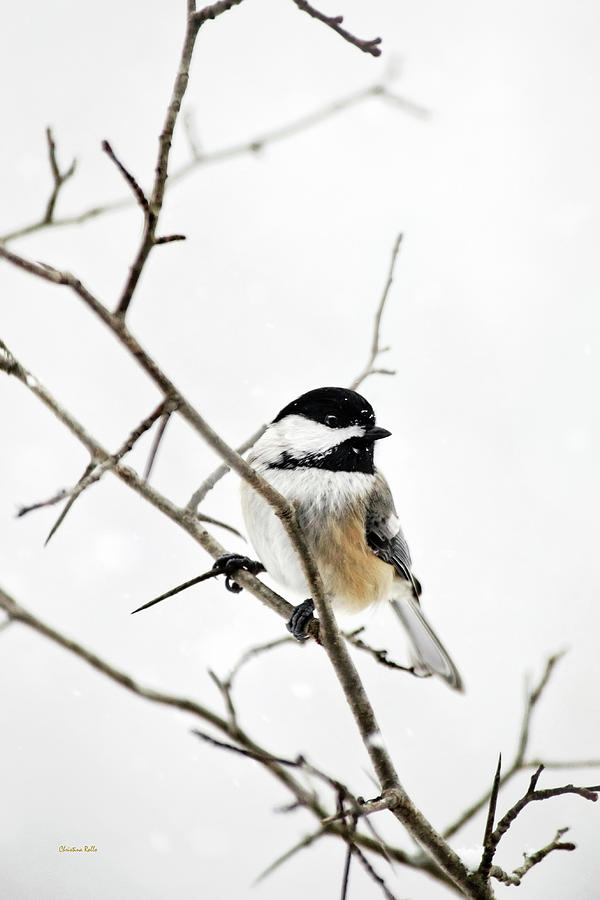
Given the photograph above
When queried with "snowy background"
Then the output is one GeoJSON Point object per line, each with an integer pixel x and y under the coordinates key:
{"type": "Point", "coordinates": [493, 323]}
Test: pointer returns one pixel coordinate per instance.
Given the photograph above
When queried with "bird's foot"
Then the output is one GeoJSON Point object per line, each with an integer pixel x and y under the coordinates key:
{"type": "Point", "coordinates": [300, 619]}
{"type": "Point", "coordinates": [230, 563]}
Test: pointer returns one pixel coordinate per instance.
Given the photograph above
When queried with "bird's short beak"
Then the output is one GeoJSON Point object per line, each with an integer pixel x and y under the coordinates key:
{"type": "Point", "coordinates": [376, 433]}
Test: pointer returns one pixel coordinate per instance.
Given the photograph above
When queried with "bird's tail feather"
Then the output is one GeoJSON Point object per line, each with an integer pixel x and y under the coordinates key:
{"type": "Point", "coordinates": [431, 656]}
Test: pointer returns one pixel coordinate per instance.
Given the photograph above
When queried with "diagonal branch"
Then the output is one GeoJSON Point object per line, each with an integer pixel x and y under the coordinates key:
{"type": "Point", "coordinates": [179, 515]}
{"type": "Point", "coordinates": [154, 205]}
{"type": "Point", "coordinates": [18, 613]}
{"type": "Point", "coordinates": [406, 811]}
{"type": "Point", "coordinates": [209, 483]}
{"type": "Point", "coordinates": [335, 22]}
{"type": "Point", "coordinates": [94, 473]}
{"type": "Point", "coordinates": [129, 178]}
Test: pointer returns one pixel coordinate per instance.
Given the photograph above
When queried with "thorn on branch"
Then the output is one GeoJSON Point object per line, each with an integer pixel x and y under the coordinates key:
{"type": "Point", "coordinates": [225, 565]}
{"type": "Point", "coordinates": [160, 433]}
{"type": "Point", "coordinates": [335, 22]}
{"type": "Point", "coordinates": [489, 826]}
{"type": "Point", "coordinates": [532, 795]}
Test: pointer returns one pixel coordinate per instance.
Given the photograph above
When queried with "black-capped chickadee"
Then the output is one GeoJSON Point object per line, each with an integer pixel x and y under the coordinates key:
{"type": "Point", "coordinates": [318, 453]}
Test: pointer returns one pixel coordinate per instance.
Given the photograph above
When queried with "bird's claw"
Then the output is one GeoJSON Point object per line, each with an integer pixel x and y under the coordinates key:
{"type": "Point", "coordinates": [300, 619]}
{"type": "Point", "coordinates": [230, 563]}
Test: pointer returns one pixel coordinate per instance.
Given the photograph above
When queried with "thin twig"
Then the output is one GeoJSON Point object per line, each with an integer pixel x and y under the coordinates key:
{"type": "Point", "coordinates": [84, 482]}
{"type": "Point", "coordinates": [532, 795]}
{"type": "Point", "coordinates": [376, 348]}
{"type": "Point", "coordinates": [160, 433]}
{"type": "Point", "coordinates": [306, 841]}
{"type": "Point", "coordinates": [253, 652]}
{"type": "Point", "coordinates": [209, 483]}
{"type": "Point", "coordinates": [94, 473]}
{"type": "Point", "coordinates": [532, 859]}
{"type": "Point", "coordinates": [225, 692]}
{"type": "Point", "coordinates": [520, 762]}
{"type": "Point", "coordinates": [56, 498]}
{"type": "Point", "coordinates": [356, 697]}
{"type": "Point", "coordinates": [212, 521]}
{"type": "Point", "coordinates": [347, 862]}
{"type": "Point", "coordinates": [180, 516]}
{"type": "Point", "coordinates": [222, 470]}
{"type": "Point", "coordinates": [232, 151]}
{"type": "Point", "coordinates": [58, 178]}
{"type": "Point", "coordinates": [335, 22]}
{"type": "Point", "coordinates": [376, 877]}
{"type": "Point", "coordinates": [129, 178]}
{"type": "Point", "coordinates": [169, 238]}
{"type": "Point", "coordinates": [152, 212]}
{"type": "Point", "coordinates": [381, 656]}
{"type": "Point", "coordinates": [17, 613]}
{"type": "Point", "coordinates": [491, 818]}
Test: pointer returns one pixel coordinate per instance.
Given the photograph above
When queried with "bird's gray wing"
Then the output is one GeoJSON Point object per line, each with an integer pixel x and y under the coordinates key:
{"type": "Point", "coordinates": [385, 539]}
{"type": "Point", "coordinates": [384, 535]}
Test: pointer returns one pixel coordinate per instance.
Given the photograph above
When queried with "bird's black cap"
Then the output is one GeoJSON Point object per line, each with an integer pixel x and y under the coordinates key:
{"type": "Point", "coordinates": [333, 406]}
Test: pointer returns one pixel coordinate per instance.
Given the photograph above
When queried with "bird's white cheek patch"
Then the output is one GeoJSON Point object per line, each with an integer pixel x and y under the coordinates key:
{"type": "Point", "coordinates": [299, 436]}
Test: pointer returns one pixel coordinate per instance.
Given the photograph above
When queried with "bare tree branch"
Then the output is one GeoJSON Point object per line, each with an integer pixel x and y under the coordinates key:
{"type": "Point", "coordinates": [252, 146]}
{"type": "Point", "coordinates": [376, 348]}
{"type": "Point", "coordinates": [129, 178]}
{"type": "Point", "coordinates": [222, 470]}
{"type": "Point", "coordinates": [532, 795]}
{"type": "Point", "coordinates": [58, 178]}
{"type": "Point", "coordinates": [154, 205]}
{"type": "Point", "coordinates": [380, 656]}
{"type": "Point", "coordinates": [330, 636]}
{"type": "Point", "coordinates": [306, 841]}
{"type": "Point", "coordinates": [335, 22]}
{"type": "Point", "coordinates": [444, 863]}
{"type": "Point", "coordinates": [532, 859]}
{"type": "Point", "coordinates": [180, 516]}
{"type": "Point", "coordinates": [94, 473]}
{"type": "Point", "coordinates": [56, 498]}
{"type": "Point", "coordinates": [520, 762]}
{"type": "Point", "coordinates": [278, 768]}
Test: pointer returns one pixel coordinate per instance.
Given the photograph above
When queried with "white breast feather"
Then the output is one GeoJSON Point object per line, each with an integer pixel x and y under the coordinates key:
{"type": "Point", "coordinates": [320, 494]}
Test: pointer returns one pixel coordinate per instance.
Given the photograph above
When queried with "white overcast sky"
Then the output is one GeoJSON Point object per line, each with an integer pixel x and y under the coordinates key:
{"type": "Point", "coordinates": [493, 326]}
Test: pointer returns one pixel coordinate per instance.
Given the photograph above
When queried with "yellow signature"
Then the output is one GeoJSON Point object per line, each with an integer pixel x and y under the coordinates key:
{"type": "Point", "coordinates": [85, 849]}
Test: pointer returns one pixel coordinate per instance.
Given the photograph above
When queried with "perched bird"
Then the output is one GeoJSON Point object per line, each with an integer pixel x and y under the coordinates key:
{"type": "Point", "coordinates": [318, 452]}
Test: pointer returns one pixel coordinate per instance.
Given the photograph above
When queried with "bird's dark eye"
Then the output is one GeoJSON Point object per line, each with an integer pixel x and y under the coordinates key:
{"type": "Point", "coordinates": [331, 421]}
